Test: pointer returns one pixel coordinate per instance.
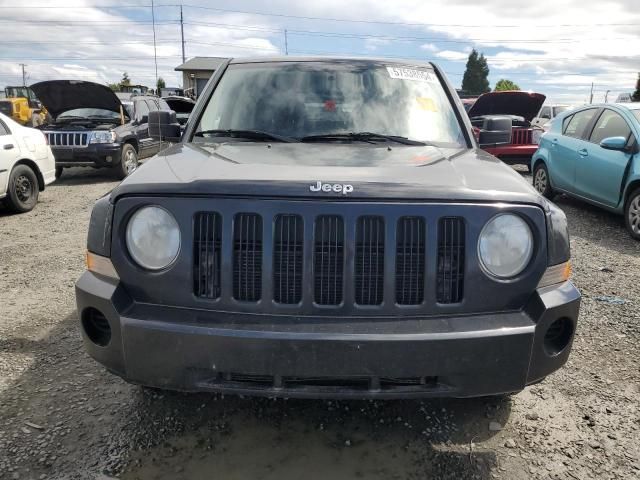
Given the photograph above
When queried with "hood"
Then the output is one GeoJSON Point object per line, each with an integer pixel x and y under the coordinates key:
{"type": "Point", "coordinates": [521, 104]}
{"type": "Point", "coordinates": [59, 96]}
{"type": "Point", "coordinates": [180, 104]}
{"type": "Point", "coordinates": [289, 169]}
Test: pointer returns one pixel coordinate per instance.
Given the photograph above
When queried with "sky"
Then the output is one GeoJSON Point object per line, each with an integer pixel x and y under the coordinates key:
{"type": "Point", "coordinates": [555, 47]}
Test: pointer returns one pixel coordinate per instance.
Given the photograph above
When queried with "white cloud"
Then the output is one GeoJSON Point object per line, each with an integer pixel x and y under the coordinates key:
{"type": "Point", "coordinates": [453, 55]}
{"type": "Point", "coordinates": [429, 47]}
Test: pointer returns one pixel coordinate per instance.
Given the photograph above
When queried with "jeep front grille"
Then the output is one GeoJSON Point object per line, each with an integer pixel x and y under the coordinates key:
{"type": "Point", "coordinates": [67, 139]}
{"type": "Point", "coordinates": [451, 253]}
{"type": "Point", "coordinates": [247, 257]}
{"type": "Point", "coordinates": [297, 267]}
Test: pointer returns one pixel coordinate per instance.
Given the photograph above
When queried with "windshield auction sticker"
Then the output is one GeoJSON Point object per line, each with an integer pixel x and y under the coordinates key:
{"type": "Point", "coordinates": [411, 74]}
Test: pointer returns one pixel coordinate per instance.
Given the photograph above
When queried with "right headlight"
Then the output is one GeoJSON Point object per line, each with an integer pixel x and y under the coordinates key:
{"type": "Point", "coordinates": [505, 246]}
{"type": "Point", "coordinates": [153, 238]}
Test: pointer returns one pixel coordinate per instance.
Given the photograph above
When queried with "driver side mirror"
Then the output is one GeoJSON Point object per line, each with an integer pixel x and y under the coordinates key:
{"type": "Point", "coordinates": [614, 143]}
{"type": "Point", "coordinates": [163, 126]}
{"type": "Point", "coordinates": [495, 131]}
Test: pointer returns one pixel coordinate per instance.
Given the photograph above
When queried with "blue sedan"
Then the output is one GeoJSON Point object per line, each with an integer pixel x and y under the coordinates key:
{"type": "Point", "coordinates": [592, 153]}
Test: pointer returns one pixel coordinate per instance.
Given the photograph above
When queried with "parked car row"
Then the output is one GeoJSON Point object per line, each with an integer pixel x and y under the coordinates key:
{"type": "Point", "coordinates": [592, 153]}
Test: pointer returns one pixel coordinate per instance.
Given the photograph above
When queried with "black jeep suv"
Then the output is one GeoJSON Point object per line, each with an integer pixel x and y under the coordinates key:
{"type": "Point", "coordinates": [327, 228]}
{"type": "Point", "coordinates": [91, 127]}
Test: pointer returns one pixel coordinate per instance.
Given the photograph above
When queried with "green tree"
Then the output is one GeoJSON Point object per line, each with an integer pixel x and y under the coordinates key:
{"type": "Point", "coordinates": [160, 83]}
{"type": "Point", "coordinates": [114, 86]}
{"type": "Point", "coordinates": [636, 94]}
{"type": "Point", "coordinates": [504, 84]}
{"type": "Point", "coordinates": [125, 79]}
{"type": "Point", "coordinates": [476, 77]}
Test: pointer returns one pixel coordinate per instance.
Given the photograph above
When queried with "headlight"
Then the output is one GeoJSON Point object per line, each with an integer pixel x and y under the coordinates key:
{"type": "Point", "coordinates": [153, 238]}
{"type": "Point", "coordinates": [537, 135]}
{"type": "Point", "coordinates": [505, 245]}
{"type": "Point", "coordinates": [102, 137]}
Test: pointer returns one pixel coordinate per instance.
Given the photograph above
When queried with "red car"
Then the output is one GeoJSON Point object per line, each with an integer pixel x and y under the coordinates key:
{"type": "Point", "coordinates": [521, 108]}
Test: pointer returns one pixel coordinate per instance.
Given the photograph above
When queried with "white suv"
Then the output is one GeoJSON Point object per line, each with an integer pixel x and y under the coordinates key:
{"type": "Point", "coordinates": [26, 165]}
{"type": "Point", "coordinates": [548, 113]}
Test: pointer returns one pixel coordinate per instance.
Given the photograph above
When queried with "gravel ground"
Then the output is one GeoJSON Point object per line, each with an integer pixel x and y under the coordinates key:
{"type": "Point", "coordinates": [62, 416]}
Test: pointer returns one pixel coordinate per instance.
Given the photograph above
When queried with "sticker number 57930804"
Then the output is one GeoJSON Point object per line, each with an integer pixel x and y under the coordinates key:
{"type": "Point", "coordinates": [411, 74]}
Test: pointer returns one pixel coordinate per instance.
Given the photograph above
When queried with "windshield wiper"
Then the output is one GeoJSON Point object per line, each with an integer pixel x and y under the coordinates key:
{"type": "Point", "coordinates": [363, 137]}
{"type": "Point", "coordinates": [249, 134]}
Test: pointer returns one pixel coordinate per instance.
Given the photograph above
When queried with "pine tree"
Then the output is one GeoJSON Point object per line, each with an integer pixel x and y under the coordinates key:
{"type": "Point", "coordinates": [636, 94]}
{"type": "Point", "coordinates": [476, 77]}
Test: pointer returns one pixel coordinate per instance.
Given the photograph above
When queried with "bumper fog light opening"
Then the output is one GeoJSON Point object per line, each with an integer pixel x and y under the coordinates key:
{"type": "Point", "coordinates": [558, 336]}
{"type": "Point", "coordinates": [96, 326]}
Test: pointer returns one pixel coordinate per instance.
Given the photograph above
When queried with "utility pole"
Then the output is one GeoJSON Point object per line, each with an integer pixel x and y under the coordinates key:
{"type": "Point", "coordinates": [155, 54]}
{"type": "Point", "coordinates": [182, 33]}
{"type": "Point", "coordinates": [591, 95]}
{"type": "Point", "coordinates": [606, 97]}
{"type": "Point", "coordinates": [286, 43]}
{"type": "Point", "coordinates": [24, 75]}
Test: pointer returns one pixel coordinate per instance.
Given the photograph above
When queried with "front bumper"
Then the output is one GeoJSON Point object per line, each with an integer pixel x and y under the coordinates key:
{"type": "Point", "coordinates": [93, 155]}
{"type": "Point", "coordinates": [288, 356]}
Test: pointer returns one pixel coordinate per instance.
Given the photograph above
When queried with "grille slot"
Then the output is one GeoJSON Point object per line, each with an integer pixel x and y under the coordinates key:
{"type": "Point", "coordinates": [451, 260]}
{"type": "Point", "coordinates": [207, 234]}
{"type": "Point", "coordinates": [287, 259]}
{"type": "Point", "coordinates": [521, 136]}
{"type": "Point", "coordinates": [369, 266]}
{"type": "Point", "coordinates": [328, 260]}
{"type": "Point", "coordinates": [410, 261]}
{"type": "Point", "coordinates": [247, 257]}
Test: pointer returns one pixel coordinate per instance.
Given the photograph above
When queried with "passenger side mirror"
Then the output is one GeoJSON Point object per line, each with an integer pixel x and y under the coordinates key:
{"type": "Point", "coordinates": [143, 119]}
{"type": "Point", "coordinates": [495, 131]}
{"type": "Point", "coordinates": [164, 126]}
{"type": "Point", "coordinates": [614, 143]}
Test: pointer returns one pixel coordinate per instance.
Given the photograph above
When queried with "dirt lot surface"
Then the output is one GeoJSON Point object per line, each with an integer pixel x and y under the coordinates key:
{"type": "Point", "coordinates": [63, 416]}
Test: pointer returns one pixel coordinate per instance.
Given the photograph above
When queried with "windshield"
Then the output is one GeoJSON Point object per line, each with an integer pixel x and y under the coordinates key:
{"type": "Point", "coordinates": [558, 110]}
{"type": "Point", "coordinates": [90, 113]}
{"type": "Point", "coordinates": [303, 99]}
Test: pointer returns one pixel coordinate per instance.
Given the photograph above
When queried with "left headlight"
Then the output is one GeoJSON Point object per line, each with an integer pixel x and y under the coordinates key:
{"type": "Point", "coordinates": [103, 137]}
{"type": "Point", "coordinates": [153, 238]}
{"type": "Point", "coordinates": [505, 246]}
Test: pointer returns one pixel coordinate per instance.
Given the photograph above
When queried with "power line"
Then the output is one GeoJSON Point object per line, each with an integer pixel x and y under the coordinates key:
{"type": "Point", "coordinates": [380, 22]}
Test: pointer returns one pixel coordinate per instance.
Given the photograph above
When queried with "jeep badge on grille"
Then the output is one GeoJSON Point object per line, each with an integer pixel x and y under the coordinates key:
{"type": "Point", "coordinates": [328, 187]}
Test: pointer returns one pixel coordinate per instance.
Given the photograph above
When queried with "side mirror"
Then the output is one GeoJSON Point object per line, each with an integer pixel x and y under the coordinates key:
{"type": "Point", "coordinates": [144, 119]}
{"type": "Point", "coordinates": [495, 131]}
{"type": "Point", "coordinates": [163, 126]}
{"type": "Point", "coordinates": [614, 143]}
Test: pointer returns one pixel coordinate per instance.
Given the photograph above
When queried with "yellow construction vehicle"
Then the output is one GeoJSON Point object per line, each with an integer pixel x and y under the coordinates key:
{"type": "Point", "coordinates": [21, 105]}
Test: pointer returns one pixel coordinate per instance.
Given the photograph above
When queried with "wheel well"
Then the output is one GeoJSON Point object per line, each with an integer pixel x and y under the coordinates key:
{"type": "Point", "coordinates": [134, 142]}
{"type": "Point", "coordinates": [33, 166]}
{"type": "Point", "coordinates": [630, 189]}
{"type": "Point", "coordinates": [538, 161]}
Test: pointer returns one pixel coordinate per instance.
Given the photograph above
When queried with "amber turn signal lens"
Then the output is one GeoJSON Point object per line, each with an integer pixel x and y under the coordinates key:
{"type": "Point", "coordinates": [100, 265]}
{"type": "Point", "coordinates": [556, 274]}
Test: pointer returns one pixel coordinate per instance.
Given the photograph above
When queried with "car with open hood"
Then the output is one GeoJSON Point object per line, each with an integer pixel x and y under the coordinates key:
{"type": "Point", "coordinates": [516, 108]}
{"type": "Point", "coordinates": [327, 228]}
{"type": "Point", "coordinates": [91, 127]}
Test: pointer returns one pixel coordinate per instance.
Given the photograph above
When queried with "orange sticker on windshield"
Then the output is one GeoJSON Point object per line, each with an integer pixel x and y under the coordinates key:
{"type": "Point", "coordinates": [427, 104]}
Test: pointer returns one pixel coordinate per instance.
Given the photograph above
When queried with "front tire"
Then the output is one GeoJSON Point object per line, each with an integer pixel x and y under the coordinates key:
{"type": "Point", "coordinates": [542, 181]}
{"type": "Point", "coordinates": [23, 189]}
{"type": "Point", "coordinates": [128, 161]}
{"type": "Point", "coordinates": [632, 214]}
